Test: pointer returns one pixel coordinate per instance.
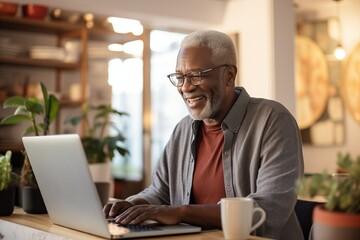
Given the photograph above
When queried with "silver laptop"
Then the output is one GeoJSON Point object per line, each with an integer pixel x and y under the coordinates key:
{"type": "Point", "coordinates": [70, 195]}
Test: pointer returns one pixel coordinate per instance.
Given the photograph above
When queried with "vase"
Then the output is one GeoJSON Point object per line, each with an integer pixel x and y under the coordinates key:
{"type": "Point", "coordinates": [7, 201]}
{"type": "Point", "coordinates": [103, 189]}
{"type": "Point", "coordinates": [32, 201]}
{"type": "Point", "coordinates": [101, 174]}
{"type": "Point", "coordinates": [331, 225]}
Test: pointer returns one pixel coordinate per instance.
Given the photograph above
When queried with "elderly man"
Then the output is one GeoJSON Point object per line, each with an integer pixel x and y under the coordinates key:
{"type": "Point", "coordinates": [230, 145]}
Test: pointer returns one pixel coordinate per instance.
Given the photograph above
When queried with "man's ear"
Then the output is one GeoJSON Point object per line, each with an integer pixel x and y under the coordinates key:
{"type": "Point", "coordinates": [231, 74]}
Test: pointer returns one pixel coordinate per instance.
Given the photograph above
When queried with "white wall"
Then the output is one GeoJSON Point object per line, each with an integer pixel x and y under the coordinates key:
{"type": "Point", "coordinates": [266, 30]}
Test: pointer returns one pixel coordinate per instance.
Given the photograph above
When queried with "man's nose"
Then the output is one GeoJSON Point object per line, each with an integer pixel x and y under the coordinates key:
{"type": "Point", "coordinates": [187, 86]}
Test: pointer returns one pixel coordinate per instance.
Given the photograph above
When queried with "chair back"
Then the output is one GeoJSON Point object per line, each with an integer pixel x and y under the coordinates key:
{"type": "Point", "coordinates": [304, 213]}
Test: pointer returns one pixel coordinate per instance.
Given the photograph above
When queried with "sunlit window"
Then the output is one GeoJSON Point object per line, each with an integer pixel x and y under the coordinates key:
{"type": "Point", "coordinates": [167, 106]}
{"type": "Point", "coordinates": [124, 25]}
{"type": "Point", "coordinates": [125, 77]}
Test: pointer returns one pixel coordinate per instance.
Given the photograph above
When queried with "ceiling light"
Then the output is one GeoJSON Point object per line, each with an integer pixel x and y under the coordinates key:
{"type": "Point", "coordinates": [124, 25]}
{"type": "Point", "coordinates": [339, 51]}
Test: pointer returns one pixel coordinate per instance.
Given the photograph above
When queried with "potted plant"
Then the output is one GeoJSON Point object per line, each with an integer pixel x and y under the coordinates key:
{"type": "Point", "coordinates": [40, 114]}
{"type": "Point", "coordinates": [339, 217]}
{"type": "Point", "coordinates": [99, 145]}
{"type": "Point", "coordinates": [8, 183]}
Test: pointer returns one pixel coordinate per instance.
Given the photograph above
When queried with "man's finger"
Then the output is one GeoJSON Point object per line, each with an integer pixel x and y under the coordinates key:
{"type": "Point", "coordinates": [115, 209]}
{"type": "Point", "coordinates": [106, 209]}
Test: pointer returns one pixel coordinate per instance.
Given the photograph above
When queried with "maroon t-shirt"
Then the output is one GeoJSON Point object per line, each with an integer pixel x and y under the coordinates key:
{"type": "Point", "coordinates": [208, 181]}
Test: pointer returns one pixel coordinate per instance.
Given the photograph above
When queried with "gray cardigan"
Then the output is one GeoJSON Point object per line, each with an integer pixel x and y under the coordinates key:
{"type": "Point", "coordinates": [262, 159]}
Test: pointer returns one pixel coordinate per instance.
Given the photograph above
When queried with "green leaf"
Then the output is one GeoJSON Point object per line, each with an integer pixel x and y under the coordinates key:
{"type": "Point", "coordinates": [5, 170]}
{"type": "Point", "coordinates": [46, 98]}
{"type": "Point", "coordinates": [102, 114]}
{"type": "Point", "coordinates": [14, 101]}
{"type": "Point", "coordinates": [41, 127]}
{"type": "Point", "coordinates": [34, 106]}
{"type": "Point", "coordinates": [74, 120]}
{"type": "Point", "coordinates": [344, 161]}
{"type": "Point", "coordinates": [106, 110]}
{"type": "Point", "coordinates": [122, 151]}
{"type": "Point", "coordinates": [8, 154]}
{"type": "Point", "coordinates": [54, 107]}
{"type": "Point", "coordinates": [29, 130]}
{"type": "Point", "coordinates": [15, 119]}
{"type": "Point", "coordinates": [119, 113]}
{"type": "Point", "coordinates": [20, 110]}
{"type": "Point", "coordinates": [99, 107]}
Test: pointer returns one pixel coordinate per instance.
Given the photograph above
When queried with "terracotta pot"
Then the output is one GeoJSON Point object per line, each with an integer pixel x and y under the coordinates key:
{"type": "Point", "coordinates": [32, 201]}
{"type": "Point", "coordinates": [34, 11]}
{"type": "Point", "coordinates": [8, 8]}
{"type": "Point", "coordinates": [7, 201]}
{"type": "Point", "coordinates": [331, 225]}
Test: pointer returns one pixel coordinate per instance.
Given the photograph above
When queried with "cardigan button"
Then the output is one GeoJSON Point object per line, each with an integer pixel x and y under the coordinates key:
{"type": "Point", "coordinates": [227, 153]}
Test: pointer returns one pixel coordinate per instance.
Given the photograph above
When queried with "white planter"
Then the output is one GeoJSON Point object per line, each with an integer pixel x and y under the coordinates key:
{"type": "Point", "coordinates": [101, 172]}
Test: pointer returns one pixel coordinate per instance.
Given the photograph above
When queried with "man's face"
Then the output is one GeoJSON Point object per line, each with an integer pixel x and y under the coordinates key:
{"type": "Point", "coordinates": [208, 101]}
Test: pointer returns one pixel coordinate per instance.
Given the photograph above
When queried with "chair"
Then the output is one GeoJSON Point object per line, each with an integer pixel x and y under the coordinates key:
{"type": "Point", "coordinates": [304, 212]}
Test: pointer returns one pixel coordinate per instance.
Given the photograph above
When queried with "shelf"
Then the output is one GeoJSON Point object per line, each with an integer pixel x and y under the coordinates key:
{"type": "Point", "coordinates": [42, 63]}
{"type": "Point", "coordinates": [63, 103]}
{"type": "Point", "coordinates": [61, 31]}
{"type": "Point", "coordinates": [39, 26]}
{"type": "Point", "coordinates": [69, 103]}
{"type": "Point", "coordinates": [59, 28]}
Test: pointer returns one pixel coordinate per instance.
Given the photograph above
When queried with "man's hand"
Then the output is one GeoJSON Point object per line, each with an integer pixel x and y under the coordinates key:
{"type": "Point", "coordinates": [139, 210]}
{"type": "Point", "coordinates": [115, 208]}
{"type": "Point", "coordinates": [160, 213]}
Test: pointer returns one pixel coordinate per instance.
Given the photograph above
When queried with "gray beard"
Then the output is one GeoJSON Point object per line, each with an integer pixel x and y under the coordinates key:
{"type": "Point", "coordinates": [206, 113]}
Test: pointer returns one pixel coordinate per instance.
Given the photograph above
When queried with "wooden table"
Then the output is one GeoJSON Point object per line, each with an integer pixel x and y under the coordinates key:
{"type": "Point", "coordinates": [21, 225]}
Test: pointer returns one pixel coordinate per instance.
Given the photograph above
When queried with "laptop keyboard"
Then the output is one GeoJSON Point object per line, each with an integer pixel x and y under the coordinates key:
{"type": "Point", "coordinates": [136, 228]}
{"type": "Point", "coordinates": [141, 228]}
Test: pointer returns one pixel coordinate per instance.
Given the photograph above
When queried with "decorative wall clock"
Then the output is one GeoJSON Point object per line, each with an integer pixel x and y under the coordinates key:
{"type": "Point", "coordinates": [311, 81]}
{"type": "Point", "coordinates": [350, 83]}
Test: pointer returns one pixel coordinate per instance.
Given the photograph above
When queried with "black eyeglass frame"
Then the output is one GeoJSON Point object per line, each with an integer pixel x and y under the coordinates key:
{"type": "Point", "coordinates": [190, 76]}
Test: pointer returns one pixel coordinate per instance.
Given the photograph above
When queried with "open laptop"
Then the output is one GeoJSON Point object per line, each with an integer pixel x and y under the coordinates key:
{"type": "Point", "coordinates": [61, 169]}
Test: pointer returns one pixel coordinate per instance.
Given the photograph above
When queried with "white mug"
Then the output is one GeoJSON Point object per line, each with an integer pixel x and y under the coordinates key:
{"type": "Point", "coordinates": [237, 215]}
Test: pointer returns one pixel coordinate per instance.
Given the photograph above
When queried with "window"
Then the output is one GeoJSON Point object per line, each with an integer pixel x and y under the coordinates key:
{"type": "Point", "coordinates": [125, 77]}
{"type": "Point", "coordinates": [167, 107]}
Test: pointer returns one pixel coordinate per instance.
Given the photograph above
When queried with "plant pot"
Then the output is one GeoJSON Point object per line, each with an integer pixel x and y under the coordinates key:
{"type": "Point", "coordinates": [7, 201]}
{"type": "Point", "coordinates": [32, 201]}
{"type": "Point", "coordinates": [332, 225]}
{"type": "Point", "coordinates": [103, 189]}
{"type": "Point", "coordinates": [101, 172]}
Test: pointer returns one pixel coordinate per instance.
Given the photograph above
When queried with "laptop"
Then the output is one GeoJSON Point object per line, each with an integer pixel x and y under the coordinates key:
{"type": "Point", "coordinates": [61, 169]}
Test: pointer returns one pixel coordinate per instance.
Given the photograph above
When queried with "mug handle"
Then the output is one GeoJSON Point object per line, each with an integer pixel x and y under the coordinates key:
{"type": "Point", "coordinates": [262, 218]}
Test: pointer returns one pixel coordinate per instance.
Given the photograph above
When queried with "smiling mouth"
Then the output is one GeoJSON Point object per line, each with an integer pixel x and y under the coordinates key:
{"type": "Point", "coordinates": [194, 100]}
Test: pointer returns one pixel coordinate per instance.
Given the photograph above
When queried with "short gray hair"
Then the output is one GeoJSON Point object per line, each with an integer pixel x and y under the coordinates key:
{"type": "Point", "coordinates": [220, 43]}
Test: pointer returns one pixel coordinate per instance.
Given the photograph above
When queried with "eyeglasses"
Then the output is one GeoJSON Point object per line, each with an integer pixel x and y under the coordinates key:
{"type": "Point", "coordinates": [194, 78]}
